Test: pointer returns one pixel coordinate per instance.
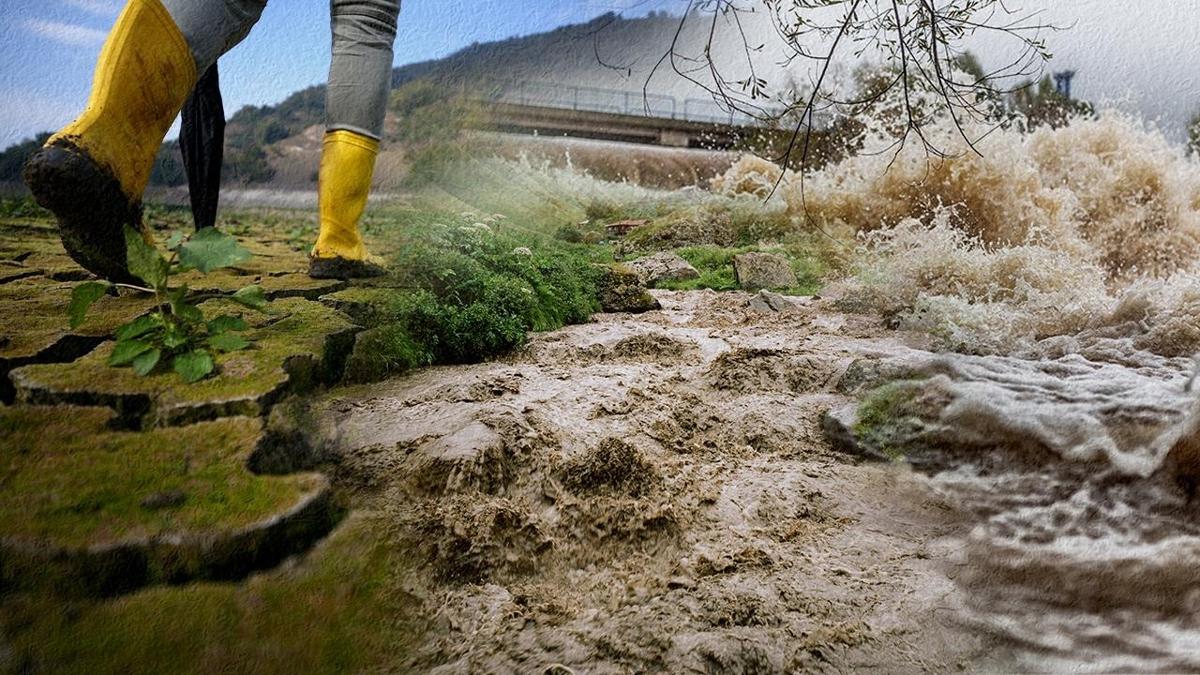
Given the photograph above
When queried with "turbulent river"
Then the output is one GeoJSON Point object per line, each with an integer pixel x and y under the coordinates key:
{"type": "Point", "coordinates": [1058, 277]}
{"type": "Point", "coordinates": [1040, 306]}
{"type": "Point", "coordinates": [1085, 551]}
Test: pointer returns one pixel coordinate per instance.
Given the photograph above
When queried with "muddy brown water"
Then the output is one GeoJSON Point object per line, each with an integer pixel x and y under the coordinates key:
{"type": "Point", "coordinates": [654, 493]}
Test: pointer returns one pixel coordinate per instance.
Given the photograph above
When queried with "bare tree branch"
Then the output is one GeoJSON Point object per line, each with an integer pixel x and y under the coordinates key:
{"type": "Point", "coordinates": [918, 42]}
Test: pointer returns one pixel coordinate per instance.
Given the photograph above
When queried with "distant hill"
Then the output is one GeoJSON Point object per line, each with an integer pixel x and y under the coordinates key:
{"type": "Point", "coordinates": [609, 52]}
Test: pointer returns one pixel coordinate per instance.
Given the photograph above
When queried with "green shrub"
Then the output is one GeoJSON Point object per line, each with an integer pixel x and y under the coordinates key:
{"type": "Point", "coordinates": [387, 349]}
{"type": "Point", "coordinates": [570, 233]}
{"type": "Point", "coordinates": [468, 294]}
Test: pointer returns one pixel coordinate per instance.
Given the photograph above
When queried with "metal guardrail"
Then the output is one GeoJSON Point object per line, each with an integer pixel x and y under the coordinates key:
{"type": "Point", "coordinates": [622, 102]}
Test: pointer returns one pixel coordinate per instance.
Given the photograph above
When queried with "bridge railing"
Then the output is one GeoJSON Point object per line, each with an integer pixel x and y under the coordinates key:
{"type": "Point", "coordinates": [590, 99]}
{"type": "Point", "coordinates": [622, 102]}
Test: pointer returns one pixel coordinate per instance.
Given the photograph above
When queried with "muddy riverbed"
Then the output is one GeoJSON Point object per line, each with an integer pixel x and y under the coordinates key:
{"type": "Point", "coordinates": [655, 493]}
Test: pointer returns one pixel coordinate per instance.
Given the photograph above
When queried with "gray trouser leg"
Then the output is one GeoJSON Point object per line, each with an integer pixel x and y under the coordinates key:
{"type": "Point", "coordinates": [213, 27]}
{"type": "Point", "coordinates": [360, 76]}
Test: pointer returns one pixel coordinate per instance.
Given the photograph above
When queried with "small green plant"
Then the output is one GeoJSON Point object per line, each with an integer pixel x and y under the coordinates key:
{"type": "Point", "coordinates": [890, 419]}
{"type": "Point", "coordinates": [176, 332]}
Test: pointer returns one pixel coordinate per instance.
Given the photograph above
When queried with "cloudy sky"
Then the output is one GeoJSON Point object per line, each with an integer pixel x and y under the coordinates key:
{"type": "Point", "coordinates": [1140, 54]}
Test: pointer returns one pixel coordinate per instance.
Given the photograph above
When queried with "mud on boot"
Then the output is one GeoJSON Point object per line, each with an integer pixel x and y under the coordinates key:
{"type": "Point", "coordinates": [89, 204]}
{"type": "Point", "coordinates": [338, 267]}
{"type": "Point", "coordinates": [92, 173]}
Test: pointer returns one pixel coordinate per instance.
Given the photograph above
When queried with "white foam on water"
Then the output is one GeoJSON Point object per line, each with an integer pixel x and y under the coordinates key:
{"type": "Point", "coordinates": [1083, 411]}
{"type": "Point", "coordinates": [1086, 555]}
{"type": "Point", "coordinates": [1052, 233]}
{"type": "Point", "coordinates": [1059, 273]}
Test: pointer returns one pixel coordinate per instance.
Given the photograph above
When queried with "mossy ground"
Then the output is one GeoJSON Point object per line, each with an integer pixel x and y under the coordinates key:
{"type": "Point", "coordinates": [338, 611]}
{"type": "Point", "coordinates": [245, 381]}
{"type": "Point", "coordinates": [37, 307]}
{"type": "Point", "coordinates": [35, 288]}
{"type": "Point", "coordinates": [71, 481]}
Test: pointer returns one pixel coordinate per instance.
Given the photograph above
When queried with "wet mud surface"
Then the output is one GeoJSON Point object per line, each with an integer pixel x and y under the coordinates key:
{"type": "Point", "coordinates": [655, 493]}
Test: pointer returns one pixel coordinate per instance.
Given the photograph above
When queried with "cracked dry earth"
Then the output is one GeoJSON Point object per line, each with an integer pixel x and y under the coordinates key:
{"type": "Point", "coordinates": [653, 493]}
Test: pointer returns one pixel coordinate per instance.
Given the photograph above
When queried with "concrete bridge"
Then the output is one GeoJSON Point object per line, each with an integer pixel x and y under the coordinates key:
{"type": "Point", "coordinates": [617, 115]}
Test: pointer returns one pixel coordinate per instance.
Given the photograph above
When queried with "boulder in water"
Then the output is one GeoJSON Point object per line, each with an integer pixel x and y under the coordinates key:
{"type": "Point", "coordinates": [621, 290]}
{"type": "Point", "coordinates": [767, 302]}
{"type": "Point", "coordinates": [664, 266]}
{"type": "Point", "coordinates": [763, 270]}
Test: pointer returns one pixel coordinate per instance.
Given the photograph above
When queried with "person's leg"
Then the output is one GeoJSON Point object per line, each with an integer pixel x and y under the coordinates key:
{"type": "Point", "coordinates": [93, 172]}
{"type": "Point", "coordinates": [213, 27]}
{"type": "Point", "coordinates": [360, 78]}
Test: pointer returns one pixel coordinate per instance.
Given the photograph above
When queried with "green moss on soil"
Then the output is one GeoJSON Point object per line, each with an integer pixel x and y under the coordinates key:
{"type": "Point", "coordinates": [387, 350]}
{"type": "Point", "coordinates": [337, 612]}
{"type": "Point", "coordinates": [391, 346]}
{"type": "Point", "coordinates": [889, 419]}
{"type": "Point", "coordinates": [291, 284]}
{"type": "Point", "coordinates": [364, 304]}
{"type": "Point", "coordinates": [298, 344]}
{"type": "Point", "coordinates": [36, 310]}
{"type": "Point", "coordinates": [69, 481]}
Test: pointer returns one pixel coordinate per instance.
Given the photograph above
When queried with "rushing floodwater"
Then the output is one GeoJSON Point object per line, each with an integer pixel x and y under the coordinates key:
{"type": "Point", "coordinates": [1086, 551]}
{"type": "Point", "coordinates": [1059, 275]}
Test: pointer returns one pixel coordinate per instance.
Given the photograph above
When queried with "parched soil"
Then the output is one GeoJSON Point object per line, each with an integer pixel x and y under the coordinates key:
{"type": "Point", "coordinates": [653, 493]}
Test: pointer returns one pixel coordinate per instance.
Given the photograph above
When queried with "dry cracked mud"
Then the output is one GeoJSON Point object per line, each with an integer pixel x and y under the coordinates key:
{"type": "Point", "coordinates": [89, 508]}
{"type": "Point", "coordinates": [653, 493]}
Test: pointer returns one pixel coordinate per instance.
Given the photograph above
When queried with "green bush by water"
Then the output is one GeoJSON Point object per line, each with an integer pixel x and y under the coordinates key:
{"type": "Point", "coordinates": [470, 291]}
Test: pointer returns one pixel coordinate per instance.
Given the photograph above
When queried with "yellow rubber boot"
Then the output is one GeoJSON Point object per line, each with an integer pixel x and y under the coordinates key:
{"type": "Point", "coordinates": [92, 173]}
{"type": "Point", "coordinates": [347, 165]}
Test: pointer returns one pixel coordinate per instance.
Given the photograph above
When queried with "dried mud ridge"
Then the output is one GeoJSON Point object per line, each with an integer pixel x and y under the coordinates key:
{"type": "Point", "coordinates": [652, 493]}
{"type": "Point", "coordinates": [110, 569]}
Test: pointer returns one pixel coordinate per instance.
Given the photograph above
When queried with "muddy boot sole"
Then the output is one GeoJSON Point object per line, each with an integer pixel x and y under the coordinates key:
{"type": "Point", "coordinates": [91, 208]}
{"type": "Point", "coordinates": [343, 268]}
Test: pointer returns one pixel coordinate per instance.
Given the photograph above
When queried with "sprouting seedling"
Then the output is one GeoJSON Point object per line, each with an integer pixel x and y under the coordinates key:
{"type": "Point", "coordinates": [176, 332]}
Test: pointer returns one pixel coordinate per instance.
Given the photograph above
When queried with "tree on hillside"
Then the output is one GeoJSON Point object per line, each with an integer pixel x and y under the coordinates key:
{"type": "Point", "coordinates": [928, 72]}
{"type": "Point", "coordinates": [1040, 103]}
{"type": "Point", "coordinates": [12, 159]}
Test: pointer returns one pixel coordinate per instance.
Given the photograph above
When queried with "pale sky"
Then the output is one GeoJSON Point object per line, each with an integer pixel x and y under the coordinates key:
{"type": "Point", "coordinates": [1143, 54]}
